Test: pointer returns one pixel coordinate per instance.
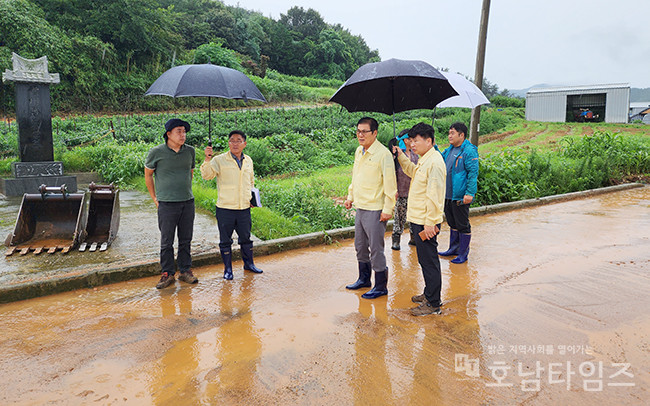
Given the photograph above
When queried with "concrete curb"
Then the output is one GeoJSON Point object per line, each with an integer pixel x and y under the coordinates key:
{"type": "Point", "coordinates": [89, 278]}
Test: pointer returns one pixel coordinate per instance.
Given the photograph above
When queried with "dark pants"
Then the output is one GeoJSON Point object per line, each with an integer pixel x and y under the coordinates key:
{"type": "Point", "coordinates": [176, 217]}
{"type": "Point", "coordinates": [428, 258]}
{"type": "Point", "coordinates": [234, 220]}
{"type": "Point", "coordinates": [458, 216]}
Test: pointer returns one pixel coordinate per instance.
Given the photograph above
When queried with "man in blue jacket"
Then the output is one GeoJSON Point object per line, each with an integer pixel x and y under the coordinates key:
{"type": "Point", "coordinates": [461, 158]}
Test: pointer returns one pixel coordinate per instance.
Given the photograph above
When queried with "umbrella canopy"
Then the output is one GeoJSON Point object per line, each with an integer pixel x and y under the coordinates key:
{"type": "Point", "coordinates": [468, 94]}
{"type": "Point", "coordinates": [205, 80]}
{"type": "Point", "coordinates": [393, 86]}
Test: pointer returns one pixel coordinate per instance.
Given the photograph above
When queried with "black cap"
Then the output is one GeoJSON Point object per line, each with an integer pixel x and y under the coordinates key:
{"type": "Point", "coordinates": [175, 122]}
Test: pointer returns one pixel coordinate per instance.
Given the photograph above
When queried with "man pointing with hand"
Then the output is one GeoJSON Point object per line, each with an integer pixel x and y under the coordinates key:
{"type": "Point", "coordinates": [425, 208]}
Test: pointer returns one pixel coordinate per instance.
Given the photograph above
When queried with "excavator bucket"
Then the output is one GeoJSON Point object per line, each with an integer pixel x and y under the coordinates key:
{"type": "Point", "coordinates": [103, 217]}
{"type": "Point", "coordinates": [50, 221]}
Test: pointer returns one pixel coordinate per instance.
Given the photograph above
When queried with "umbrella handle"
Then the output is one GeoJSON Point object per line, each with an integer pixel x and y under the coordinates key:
{"type": "Point", "coordinates": [209, 121]}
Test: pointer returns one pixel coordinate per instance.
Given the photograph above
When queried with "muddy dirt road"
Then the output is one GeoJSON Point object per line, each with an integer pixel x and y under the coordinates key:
{"type": "Point", "coordinates": [552, 308]}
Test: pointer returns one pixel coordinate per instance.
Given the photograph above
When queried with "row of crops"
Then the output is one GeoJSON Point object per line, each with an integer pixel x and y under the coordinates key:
{"type": "Point", "coordinates": [70, 132]}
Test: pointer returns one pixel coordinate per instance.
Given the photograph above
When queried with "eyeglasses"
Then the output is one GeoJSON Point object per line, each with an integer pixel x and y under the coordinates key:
{"type": "Point", "coordinates": [236, 141]}
{"type": "Point", "coordinates": [363, 131]}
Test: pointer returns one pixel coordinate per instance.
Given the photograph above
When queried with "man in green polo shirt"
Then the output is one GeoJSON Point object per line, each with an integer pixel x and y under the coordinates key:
{"type": "Point", "coordinates": [172, 164]}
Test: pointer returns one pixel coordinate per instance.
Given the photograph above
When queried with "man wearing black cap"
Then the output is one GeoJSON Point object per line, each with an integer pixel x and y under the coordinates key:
{"type": "Point", "coordinates": [172, 163]}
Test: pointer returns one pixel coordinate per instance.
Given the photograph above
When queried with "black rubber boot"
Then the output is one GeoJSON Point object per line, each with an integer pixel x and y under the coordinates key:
{"type": "Point", "coordinates": [226, 257]}
{"type": "Point", "coordinates": [247, 257]}
{"type": "Point", "coordinates": [396, 238]}
{"type": "Point", "coordinates": [364, 277]}
{"type": "Point", "coordinates": [380, 288]}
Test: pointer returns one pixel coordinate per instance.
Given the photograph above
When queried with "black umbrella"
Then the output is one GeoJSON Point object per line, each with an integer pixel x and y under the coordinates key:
{"type": "Point", "coordinates": [393, 86]}
{"type": "Point", "coordinates": [205, 80]}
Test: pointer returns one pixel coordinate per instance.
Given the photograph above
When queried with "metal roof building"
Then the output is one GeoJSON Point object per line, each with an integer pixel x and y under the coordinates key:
{"type": "Point", "coordinates": [594, 103]}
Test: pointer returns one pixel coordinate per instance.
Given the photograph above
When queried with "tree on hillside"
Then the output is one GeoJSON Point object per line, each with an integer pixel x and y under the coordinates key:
{"type": "Point", "coordinates": [308, 23]}
{"type": "Point", "coordinates": [216, 54]}
{"type": "Point", "coordinates": [359, 50]}
{"type": "Point", "coordinates": [222, 25]}
{"type": "Point", "coordinates": [109, 51]}
{"type": "Point", "coordinates": [489, 89]}
{"type": "Point", "coordinates": [82, 61]}
{"type": "Point", "coordinates": [25, 31]}
{"type": "Point", "coordinates": [278, 40]}
{"type": "Point", "coordinates": [190, 20]}
{"type": "Point", "coordinates": [330, 58]}
{"type": "Point", "coordinates": [248, 33]}
{"type": "Point", "coordinates": [138, 29]}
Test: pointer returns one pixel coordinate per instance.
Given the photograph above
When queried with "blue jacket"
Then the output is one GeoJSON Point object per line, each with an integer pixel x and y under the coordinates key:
{"type": "Point", "coordinates": [464, 172]}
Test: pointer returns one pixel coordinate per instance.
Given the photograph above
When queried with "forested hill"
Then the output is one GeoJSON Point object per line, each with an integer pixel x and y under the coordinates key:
{"type": "Point", "coordinates": [106, 49]}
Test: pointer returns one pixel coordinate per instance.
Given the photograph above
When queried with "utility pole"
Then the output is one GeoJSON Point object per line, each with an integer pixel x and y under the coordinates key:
{"type": "Point", "coordinates": [478, 73]}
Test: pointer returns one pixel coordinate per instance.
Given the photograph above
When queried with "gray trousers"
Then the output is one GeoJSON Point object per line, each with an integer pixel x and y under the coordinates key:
{"type": "Point", "coordinates": [369, 238]}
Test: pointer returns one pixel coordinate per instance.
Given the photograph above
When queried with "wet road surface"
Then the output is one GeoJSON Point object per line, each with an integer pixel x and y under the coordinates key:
{"type": "Point", "coordinates": [552, 308]}
{"type": "Point", "coordinates": [138, 239]}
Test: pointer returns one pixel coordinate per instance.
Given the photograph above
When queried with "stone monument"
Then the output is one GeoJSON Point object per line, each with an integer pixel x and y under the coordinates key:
{"type": "Point", "coordinates": [34, 118]}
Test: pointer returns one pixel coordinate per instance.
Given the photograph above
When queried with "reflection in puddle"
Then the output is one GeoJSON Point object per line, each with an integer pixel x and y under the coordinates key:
{"type": "Point", "coordinates": [295, 335]}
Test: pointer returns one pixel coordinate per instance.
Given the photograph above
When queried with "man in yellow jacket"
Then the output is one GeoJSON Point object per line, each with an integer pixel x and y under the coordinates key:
{"type": "Point", "coordinates": [426, 204]}
{"type": "Point", "coordinates": [235, 179]}
{"type": "Point", "coordinates": [372, 190]}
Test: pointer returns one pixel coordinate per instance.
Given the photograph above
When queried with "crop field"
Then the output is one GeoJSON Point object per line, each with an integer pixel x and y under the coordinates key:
{"type": "Point", "coordinates": [303, 155]}
{"type": "Point", "coordinates": [529, 135]}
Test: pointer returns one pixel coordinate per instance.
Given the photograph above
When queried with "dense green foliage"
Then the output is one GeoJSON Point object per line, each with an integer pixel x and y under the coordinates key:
{"type": "Point", "coordinates": [303, 157]}
{"type": "Point", "coordinates": [624, 155]}
{"type": "Point", "coordinates": [109, 52]}
{"type": "Point", "coordinates": [306, 204]}
{"type": "Point", "coordinates": [582, 163]}
{"type": "Point", "coordinates": [505, 101]}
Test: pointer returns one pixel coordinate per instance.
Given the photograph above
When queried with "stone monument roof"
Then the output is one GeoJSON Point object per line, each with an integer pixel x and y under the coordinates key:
{"type": "Point", "coordinates": [30, 71]}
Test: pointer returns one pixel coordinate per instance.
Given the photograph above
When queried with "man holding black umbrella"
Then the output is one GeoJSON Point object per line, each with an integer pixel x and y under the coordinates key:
{"type": "Point", "coordinates": [372, 190]}
{"type": "Point", "coordinates": [172, 163]}
{"type": "Point", "coordinates": [425, 207]}
{"type": "Point", "coordinates": [235, 180]}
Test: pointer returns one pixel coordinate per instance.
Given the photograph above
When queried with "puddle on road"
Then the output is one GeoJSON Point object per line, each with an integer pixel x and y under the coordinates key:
{"type": "Point", "coordinates": [545, 278]}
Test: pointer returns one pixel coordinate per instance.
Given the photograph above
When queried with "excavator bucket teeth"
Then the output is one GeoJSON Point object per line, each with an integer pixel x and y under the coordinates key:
{"type": "Point", "coordinates": [49, 219]}
{"type": "Point", "coordinates": [103, 216]}
{"type": "Point", "coordinates": [57, 220]}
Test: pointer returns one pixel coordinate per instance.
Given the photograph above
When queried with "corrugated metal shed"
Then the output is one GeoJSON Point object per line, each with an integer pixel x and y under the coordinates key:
{"type": "Point", "coordinates": [559, 104]}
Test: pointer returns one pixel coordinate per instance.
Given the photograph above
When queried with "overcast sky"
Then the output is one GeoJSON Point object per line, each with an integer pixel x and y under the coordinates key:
{"type": "Point", "coordinates": [557, 42]}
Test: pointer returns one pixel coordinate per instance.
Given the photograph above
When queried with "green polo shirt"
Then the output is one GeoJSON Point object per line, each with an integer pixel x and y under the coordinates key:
{"type": "Point", "coordinates": [172, 172]}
